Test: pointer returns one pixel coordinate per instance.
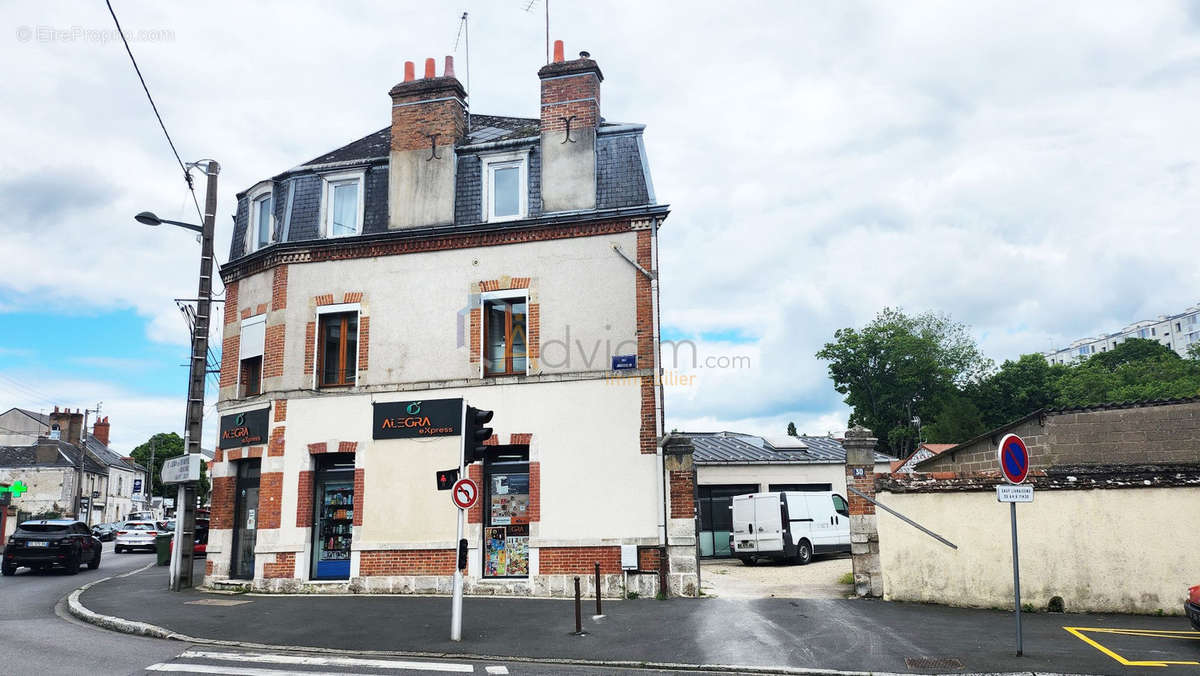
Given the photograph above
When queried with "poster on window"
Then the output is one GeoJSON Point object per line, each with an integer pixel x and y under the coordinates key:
{"type": "Point", "coordinates": [506, 551]}
{"type": "Point", "coordinates": [509, 499]}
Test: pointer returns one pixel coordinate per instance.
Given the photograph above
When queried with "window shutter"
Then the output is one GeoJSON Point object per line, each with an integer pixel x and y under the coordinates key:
{"type": "Point", "coordinates": [254, 334]}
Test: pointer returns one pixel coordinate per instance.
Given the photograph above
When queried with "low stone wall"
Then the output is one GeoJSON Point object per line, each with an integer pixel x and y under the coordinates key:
{"type": "Point", "coordinates": [1103, 538]}
{"type": "Point", "coordinates": [644, 585]}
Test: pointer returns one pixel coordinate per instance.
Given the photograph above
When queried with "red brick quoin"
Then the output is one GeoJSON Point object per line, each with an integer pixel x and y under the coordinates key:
{"type": "Point", "coordinates": [283, 567]}
{"type": "Point", "coordinates": [304, 500]}
{"type": "Point", "coordinates": [221, 500]}
{"type": "Point", "coordinates": [683, 494]}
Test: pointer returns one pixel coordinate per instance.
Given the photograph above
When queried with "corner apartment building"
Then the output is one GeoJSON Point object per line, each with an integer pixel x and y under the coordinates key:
{"type": "Point", "coordinates": [1178, 332]}
{"type": "Point", "coordinates": [508, 262]}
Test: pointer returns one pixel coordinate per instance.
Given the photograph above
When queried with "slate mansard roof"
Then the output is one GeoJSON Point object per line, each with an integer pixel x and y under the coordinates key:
{"type": "Point", "coordinates": [723, 448]}
{"type": "Point", "coordinates": [622, 177]}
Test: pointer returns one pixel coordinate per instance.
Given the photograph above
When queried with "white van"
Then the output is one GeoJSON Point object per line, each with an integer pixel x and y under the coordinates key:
{"type": "Point", "coordinates": [789, 526]}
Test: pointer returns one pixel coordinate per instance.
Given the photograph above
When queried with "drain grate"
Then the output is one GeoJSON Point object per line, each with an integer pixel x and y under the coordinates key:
{"type": "Point", "coordinates": [933, 663]}
{"type": "Point", "coordinates": [215, 602]}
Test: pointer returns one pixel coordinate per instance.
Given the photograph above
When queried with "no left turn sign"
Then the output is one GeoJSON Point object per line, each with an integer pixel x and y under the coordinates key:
{"type": "Point", "coordinates": [464, 494]}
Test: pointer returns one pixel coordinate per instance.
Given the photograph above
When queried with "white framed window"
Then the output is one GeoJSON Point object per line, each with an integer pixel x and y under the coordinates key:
{"type": "Point", "coordinates": [251, 345]}
{"type": "Point", "coordinates": [342, 206]}
{"type": "Point", "coordinates": [262, 218]}
{"type": "Point", "coordinates": [504, 344]}
{"type": "Point", "coordinates": [505, 186]}
{"type": "Point", "coordinates": [336, 350]}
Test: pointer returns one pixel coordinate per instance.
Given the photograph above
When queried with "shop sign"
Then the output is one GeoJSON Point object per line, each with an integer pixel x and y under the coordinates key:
{"type": "Point", "coordinates": [244, 429]}
{"type": "Point", "coordinates": [415, 419]}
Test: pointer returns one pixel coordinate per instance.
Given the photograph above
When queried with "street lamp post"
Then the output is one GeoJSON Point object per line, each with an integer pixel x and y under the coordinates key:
{"type": "Point", "coordinates": [185, 509]}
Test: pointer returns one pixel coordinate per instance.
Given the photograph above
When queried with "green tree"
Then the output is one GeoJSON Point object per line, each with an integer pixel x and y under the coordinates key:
{"type": "Point", "coordinates": [1135, 370]}
{"type": "Point", "coordinates": [958, 420]}
{"type": "Point", "coordinates": [1016, 389]}
{"type": "Point", "coordinates": [1194, 351]}
{"type": "Point", "coordinates": [792, 430]}
{"type": "Point", "coordinates": [166, 445]}
{"type": "Point", "coordinates": [900, 366]}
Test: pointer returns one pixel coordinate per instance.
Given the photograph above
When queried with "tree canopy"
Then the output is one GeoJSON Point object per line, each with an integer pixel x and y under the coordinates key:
{"type": "Point", "coordinates": [900, 367]}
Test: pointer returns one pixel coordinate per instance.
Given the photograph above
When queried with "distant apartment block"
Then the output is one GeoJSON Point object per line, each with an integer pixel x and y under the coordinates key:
{"type": "Point", "coordinates": [1177, 332]}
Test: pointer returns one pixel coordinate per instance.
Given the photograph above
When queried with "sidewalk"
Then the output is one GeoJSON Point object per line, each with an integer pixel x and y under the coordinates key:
{"type": "Point", "coordinates": [821, 634]}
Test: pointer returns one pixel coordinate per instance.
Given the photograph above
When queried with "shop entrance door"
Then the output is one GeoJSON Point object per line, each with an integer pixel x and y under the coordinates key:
{"type": "Point", "coordinates": [333, 521]}
{"type": "Point", "coordinates": [506, 512]}
{"type": "Point", "coordinates": [245, 520]}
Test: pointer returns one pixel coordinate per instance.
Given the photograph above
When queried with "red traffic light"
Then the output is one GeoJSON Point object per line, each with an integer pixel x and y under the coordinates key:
{"type": "Point", "coordinates": [446, 479]}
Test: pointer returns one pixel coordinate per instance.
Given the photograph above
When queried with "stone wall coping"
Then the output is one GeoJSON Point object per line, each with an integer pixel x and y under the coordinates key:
{"type": "Point", "coordinates": [1067, 477]}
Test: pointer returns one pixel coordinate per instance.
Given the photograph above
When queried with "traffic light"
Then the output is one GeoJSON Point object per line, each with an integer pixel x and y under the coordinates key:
{"type": "Point", "coordinates": [476, 434]}
{"type": "Point", "coordinates": [446, 479]}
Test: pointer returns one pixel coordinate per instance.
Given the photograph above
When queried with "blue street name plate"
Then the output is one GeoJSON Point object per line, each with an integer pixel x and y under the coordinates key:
{"type": "Point", "coordinates": [621, 362]}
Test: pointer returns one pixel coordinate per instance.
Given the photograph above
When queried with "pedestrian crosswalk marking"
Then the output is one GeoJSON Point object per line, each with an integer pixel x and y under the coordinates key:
{"type": "Point", "coordinates": [496, 670]}
{"type": "Point", "coordinates": [295, 660]}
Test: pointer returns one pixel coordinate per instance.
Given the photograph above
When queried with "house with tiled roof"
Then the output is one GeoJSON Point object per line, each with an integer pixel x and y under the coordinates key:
{"type": "Point", "coordinates": [732, 463]}
{"type": "Point", "coordinates": [509, 262]}
{"type": "Point", "coordinates": [923, 452]}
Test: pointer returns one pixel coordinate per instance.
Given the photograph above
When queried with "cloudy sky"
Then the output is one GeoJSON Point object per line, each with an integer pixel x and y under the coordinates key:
{"type": "Point", "coordinates": [1028, 168]}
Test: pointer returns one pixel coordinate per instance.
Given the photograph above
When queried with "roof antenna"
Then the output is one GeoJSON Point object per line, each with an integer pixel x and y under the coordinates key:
{"type": "Point", "coordinates": [529, 6]}
{"type": "Point", "coordinates": [464, 32]}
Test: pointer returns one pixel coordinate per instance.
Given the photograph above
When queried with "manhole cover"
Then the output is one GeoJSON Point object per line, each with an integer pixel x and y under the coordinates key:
{"type": "Point", "coordinates": [216, 602]}
{"type": "Point", "coordinates": [933, 663]}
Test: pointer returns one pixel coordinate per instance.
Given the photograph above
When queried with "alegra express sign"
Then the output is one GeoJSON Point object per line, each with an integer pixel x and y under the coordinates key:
{"type": "Point", "coordinates": [413, 419]}
{"type": "Point", "coordinates": [244, 429]}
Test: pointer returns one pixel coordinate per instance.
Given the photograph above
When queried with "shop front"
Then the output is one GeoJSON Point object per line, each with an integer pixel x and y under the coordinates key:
{"type": "Point", "coordinates": [505, 530]}
{"type": "Point", "coordinates": [340, 494]}
{"type": "Point", "coordinates": [332, 530]}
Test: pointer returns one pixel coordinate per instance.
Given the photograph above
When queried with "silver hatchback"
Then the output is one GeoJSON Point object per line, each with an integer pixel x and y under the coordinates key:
{"type": "Point", "coordinates": [135, 535]}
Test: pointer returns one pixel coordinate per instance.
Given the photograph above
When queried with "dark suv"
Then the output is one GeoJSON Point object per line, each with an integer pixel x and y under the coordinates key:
{"type": "Point", "coordinates": [53, 542]}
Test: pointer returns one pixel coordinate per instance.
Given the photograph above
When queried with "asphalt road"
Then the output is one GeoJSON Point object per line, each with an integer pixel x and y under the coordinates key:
{"type": "Point", "coordinates": [36, 640]}
{"type": "Point", "coordinates": [38, 636]}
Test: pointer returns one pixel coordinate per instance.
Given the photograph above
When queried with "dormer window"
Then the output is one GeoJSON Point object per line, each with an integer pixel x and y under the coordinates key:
{"type": "Point", "coordinates": [262, 220]}
{"type": "Point", "coordinates": [505, 181]}
{"type": "Point", "coordinates": [343, 204]}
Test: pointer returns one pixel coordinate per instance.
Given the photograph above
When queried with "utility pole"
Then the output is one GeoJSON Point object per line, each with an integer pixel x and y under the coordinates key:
{"type": "Point", "coordinates": [150, 478]}
{"type": "Point", "coordinates": [79, 513]}
{"type": "Point", "coordinates": [185, 507]}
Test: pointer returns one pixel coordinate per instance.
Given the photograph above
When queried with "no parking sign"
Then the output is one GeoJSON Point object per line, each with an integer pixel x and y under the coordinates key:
{"type": "Point", "coordinates": [1014, 459]}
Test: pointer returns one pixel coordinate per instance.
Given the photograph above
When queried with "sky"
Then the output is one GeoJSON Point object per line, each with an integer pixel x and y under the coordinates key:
{"type": "Point", "coordinates": [1027, 168]}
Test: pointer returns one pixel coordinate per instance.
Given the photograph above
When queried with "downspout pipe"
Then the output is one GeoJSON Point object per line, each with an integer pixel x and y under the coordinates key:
{"type": "Point", "coordinates": [658, 394]}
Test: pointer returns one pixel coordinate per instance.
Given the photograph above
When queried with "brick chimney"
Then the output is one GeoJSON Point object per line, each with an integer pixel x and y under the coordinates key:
{"type": "Point", "coordinates": [100, 430]}
{"type": "Point", "coordinates": [70, 425]}
{"type": "Point", "coordinates": [570, 116]}
{"type": "Point", "coordinates": [428, 120]}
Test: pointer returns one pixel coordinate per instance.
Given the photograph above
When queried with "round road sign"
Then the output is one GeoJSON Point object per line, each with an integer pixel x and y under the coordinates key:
{"type": "Point", "coordinates": [1014, 459]}
{"type": "Point", "coordinates": [464, 494]}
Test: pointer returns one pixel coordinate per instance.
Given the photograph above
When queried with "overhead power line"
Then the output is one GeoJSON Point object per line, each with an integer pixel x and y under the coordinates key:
{"type": "Point", "coordinates": [186, 175]}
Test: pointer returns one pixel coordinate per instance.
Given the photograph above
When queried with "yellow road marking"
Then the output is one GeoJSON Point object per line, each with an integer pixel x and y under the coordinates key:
{"type": "Point", "coordinates": [1143, 633]}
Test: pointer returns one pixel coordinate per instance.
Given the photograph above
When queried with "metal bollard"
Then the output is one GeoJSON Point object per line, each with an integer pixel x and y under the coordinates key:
{"type": "Point", "coordinates": [578, 611]}
{"type": "Point", "coordinates": [598, 611]}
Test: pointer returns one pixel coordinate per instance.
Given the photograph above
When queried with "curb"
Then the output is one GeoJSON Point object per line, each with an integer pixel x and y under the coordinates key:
{"type": "Point", "coordinates": [124, 626]}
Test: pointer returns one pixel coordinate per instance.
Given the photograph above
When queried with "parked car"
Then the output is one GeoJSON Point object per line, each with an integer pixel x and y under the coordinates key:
{"type": "Point", "coordinates": [51, 542]}
{"type": "Point", "coordinates": [789, 526]}
{"type": "Point", "coordinates": [200, 542]}
{"type": "Point", "coordinates": [105, 531]}
{"type": "Point", "coordinates": [1192, 606]}
{"type": "Point", "coordinates": [136, 535]}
